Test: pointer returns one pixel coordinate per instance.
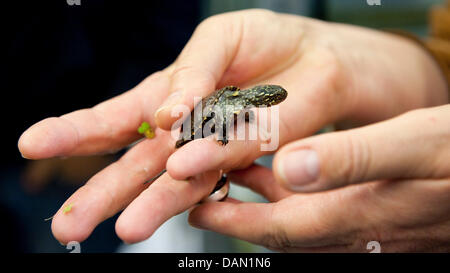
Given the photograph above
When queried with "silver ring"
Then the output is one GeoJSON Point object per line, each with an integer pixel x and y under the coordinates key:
{"type": "Point", "coordinates": [219, 194]}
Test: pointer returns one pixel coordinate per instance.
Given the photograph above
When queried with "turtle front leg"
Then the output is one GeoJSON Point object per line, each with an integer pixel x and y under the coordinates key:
{"type": "Point", "coordinates": [250, 116]}
{"type": "Point", "coordinates": [222, 131]}
{"type": "Point", "coordinates": [223, 142]}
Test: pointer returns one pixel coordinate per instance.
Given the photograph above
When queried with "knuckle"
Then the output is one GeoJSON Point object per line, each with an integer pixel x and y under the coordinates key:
{"type": "Point", "coordinates": [212, 23]}
{"type": "Point", "coordinates": [359, 245]}
{"type": "Point", "coordinates": [148, 81]}
{"type": "Point", "coordinates": [330, 66]}
{"type": "Point", "coordinates": [421, 116]}
{"type": "Point", "coordinates": [211, 20]}
{"type": "Point", "coordinates": [166, 195]}
{"type": "Point", "coordinates": [433, 124]}
{"type": "Point", "coordinates": [259, 13]}
{"type": "Point", "coordinates": [184, 73]}
{"type": "Point", "coordinates": [230, 16]}
{"type": "Point", "coordinates": [105, 195]}
{"type": "Point", "coordinates": [359, 239]}
{"type": "Point", "coordinates": [356, 152]}
{"type": "Point", "coordinates": [333, 85]}
{"type": "Point", "coordinates": [429, 117]}
{"type": "Point", "coordinates": [103, 124]}
{"type": "Point", "coordinates": [275, 235]}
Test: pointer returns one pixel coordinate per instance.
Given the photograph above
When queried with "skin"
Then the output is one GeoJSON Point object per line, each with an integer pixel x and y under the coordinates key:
{"type": "Point", "coordinates": [334, 73]}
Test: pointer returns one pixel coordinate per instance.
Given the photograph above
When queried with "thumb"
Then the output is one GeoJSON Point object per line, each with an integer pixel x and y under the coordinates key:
{"type": "Point", "coordinates": [413, 145]}
{"type": "Point", "coordinates": [201, 64]}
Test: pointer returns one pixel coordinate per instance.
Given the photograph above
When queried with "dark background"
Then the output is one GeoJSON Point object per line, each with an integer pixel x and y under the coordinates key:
{"type": "Point", "coordinates": [59, 58]}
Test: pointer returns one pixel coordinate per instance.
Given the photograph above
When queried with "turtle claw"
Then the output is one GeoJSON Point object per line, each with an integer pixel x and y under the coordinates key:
{"type": "Point", "coordinates": [223, 142]}
{"type": "Point", "coordinates": [249, 117]}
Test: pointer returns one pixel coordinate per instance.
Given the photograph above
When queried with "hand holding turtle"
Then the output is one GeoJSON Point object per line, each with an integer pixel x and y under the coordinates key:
{"type": "Point", "coordinates": [388, 182]}
{"type": "Point", "coordinates": [332, 73]}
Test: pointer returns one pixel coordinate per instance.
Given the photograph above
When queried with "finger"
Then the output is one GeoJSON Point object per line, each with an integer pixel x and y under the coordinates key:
{"type": "Point", "coordinates": [201, 64]}
{"type": "Point", "coordinates": [260, 180]}
{"type": "Point", "coordinates": [227, 199]}
{"type": "Point", "coordinates": [221, 218]}
{"type": "Point", "coordinates": [203, 155]}
{"type": "Point", "coordinates": [232, 200]}
{"type": "Point", "coordinates": [311, 221]}
{"type": "Point", "coordinates": [413, 145]}
{"type": "Point", "coordinates": [340, 220]}
{"type": "Point", "coordinates": [106, 127]}
{"type": "Point", "coordinates": [112, 189]}
{"type": "Point", "coordinates": [163, 199]}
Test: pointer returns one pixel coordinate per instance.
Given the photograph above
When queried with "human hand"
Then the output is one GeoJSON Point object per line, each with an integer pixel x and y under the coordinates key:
{"type": "Point", "coordinates": [388, 182]}
{"type": "Point", "coordinates": [332, 73]}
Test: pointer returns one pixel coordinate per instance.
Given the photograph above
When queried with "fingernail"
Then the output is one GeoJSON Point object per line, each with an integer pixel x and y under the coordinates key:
{"type": "Point", "coordinates": [207, 176]}
{"type": "Point", "coordinates": [197, 225]}
{"type": "Point", "coordinates": [195, 222]}
{"type": "Point", "coordinates": [192, 208]}
{"type": "Point", "coordinates": [171, 100]}
{"type": "Point", "coordinates": [299, 168]}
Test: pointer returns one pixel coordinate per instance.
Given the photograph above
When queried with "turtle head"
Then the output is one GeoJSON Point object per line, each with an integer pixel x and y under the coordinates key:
{"type": "Point", "coordinates": [267, 95]}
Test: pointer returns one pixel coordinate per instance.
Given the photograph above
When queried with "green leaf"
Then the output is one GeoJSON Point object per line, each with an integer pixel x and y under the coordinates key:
{"type": "Point", "coordinates": [144, 127]}
{"type": "Point", "coordinates": [67, 208]}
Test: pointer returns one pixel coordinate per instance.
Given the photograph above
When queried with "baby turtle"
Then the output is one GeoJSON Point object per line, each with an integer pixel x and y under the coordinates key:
{"type": "Point", "coordinates": [222, 107]}
{"type": "Point", "coordinates": [220, 110]}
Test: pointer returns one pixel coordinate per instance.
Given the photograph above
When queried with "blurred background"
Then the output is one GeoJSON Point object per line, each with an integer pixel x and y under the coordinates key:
{"type": "Point", "coordinates": [59, 58]}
